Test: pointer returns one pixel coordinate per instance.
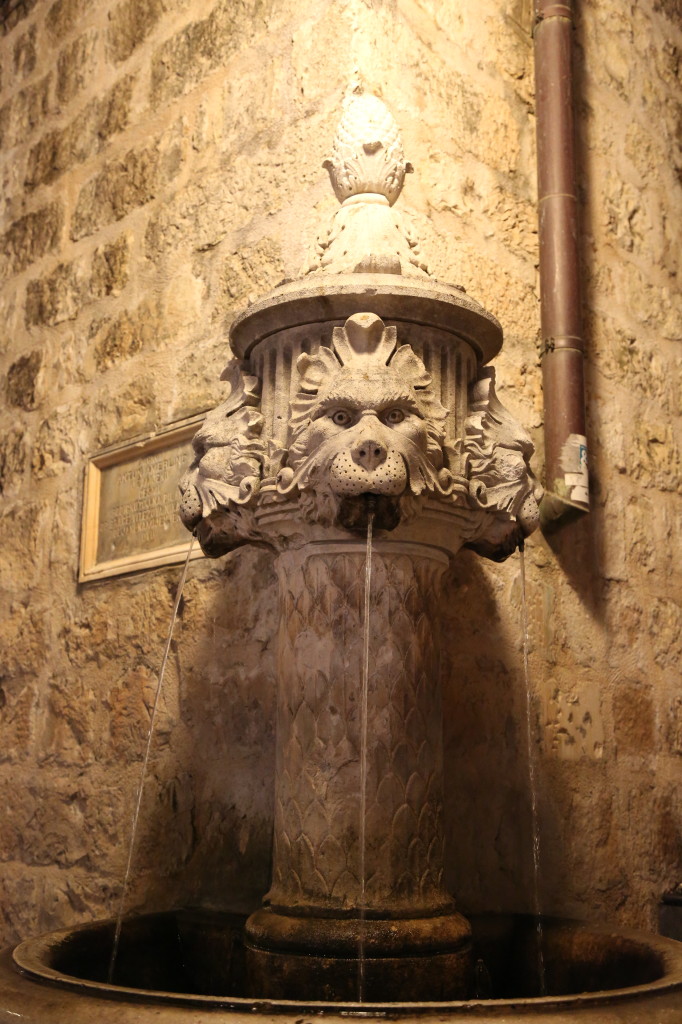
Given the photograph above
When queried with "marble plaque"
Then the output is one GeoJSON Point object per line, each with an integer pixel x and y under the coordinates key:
{"type": "Point", "coordinates": [130, 509]}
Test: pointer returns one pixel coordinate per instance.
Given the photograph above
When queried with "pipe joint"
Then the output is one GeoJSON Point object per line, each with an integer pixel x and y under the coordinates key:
{"type": "Point", "coordinates": [545, 11]}
{"type": "Point", "coordinates": [566, 341]}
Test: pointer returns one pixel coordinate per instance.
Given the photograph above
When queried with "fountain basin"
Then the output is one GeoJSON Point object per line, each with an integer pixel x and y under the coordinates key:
{"type": "Point", "coordinates": [189, 966]}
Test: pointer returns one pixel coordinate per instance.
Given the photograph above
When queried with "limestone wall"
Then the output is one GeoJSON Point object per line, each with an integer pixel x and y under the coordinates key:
{"type": "Point", "coordinates": [161, 164]}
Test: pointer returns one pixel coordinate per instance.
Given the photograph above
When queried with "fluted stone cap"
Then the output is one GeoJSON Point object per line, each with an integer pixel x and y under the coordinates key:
{"type": "Point", "coordinates": [321, 299]}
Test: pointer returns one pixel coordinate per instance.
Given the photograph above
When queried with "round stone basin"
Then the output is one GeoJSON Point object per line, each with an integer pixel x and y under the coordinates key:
{"type": "Point", "coordinates": [188, 966]}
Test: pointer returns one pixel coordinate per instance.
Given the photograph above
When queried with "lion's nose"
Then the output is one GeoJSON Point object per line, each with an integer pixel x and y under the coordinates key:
{"type": "Point", "coordinates": [369, 454]}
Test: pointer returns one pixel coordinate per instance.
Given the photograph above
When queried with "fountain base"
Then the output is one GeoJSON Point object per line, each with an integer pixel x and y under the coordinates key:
{"type": "Point", "coordinates": [347, 959]}
{"type": "Point", "coordinates": [189, 965]}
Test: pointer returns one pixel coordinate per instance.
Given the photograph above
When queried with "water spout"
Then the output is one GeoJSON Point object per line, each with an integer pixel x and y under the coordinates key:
{"type": "Point", "coordinates": [532, 778]}
{"type": "Point", "coordinates": [363, 758]}
{"type": "Point", "coordinates": [143, 772]}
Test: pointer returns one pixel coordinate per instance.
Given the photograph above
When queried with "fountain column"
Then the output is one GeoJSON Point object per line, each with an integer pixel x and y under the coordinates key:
{"type": "Point", "coordinates": [321, 914]}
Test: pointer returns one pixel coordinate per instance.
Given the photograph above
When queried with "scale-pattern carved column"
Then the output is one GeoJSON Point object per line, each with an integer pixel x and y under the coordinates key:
{"type": "Point", "coordinates": [317, 818]}
{"type": "Point", "coordinates": [317, 905]}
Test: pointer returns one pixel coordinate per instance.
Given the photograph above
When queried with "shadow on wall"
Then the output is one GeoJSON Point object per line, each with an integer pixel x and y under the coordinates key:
{"type": "Point", "coordinates": [576, 547]}
{"type": "Point", "coordinates": [488, 807]}
{"type": "Point", "coordinates": [206, 835]}
{"type": "Point", "coordinates": [489, 855]}
{"type": "Point", "coordinates": [209, 843]}
{"type": "Point", "coordinates": [228, 701]}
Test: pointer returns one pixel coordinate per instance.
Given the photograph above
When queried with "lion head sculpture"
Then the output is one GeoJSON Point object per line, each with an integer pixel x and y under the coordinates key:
{"type": "Point", "coordinates": [226, 471]}
{"type": "Point", "coordinates": [367, 434]}
{"type": "Point", "coordinates": [495, 453]}
{"type": "Point", "coordinates": [364, 423]}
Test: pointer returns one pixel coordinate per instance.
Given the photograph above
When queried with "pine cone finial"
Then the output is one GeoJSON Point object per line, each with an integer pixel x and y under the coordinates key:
{"type": "Point", "coordinates": [367, 155]}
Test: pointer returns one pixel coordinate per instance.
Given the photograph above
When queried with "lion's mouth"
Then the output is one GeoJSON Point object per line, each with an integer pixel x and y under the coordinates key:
{"type": "Point", "coordinates": [356, 511]}
{"type": "Point", "coordinates": [405, 470]}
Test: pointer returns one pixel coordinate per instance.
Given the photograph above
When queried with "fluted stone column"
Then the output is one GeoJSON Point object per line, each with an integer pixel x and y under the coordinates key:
{"type": "Point", "coordinates": [321, 916]}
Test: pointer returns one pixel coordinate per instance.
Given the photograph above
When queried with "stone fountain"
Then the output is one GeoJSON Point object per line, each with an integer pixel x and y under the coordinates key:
{"type": "Point", "coordinates": [360, 392]}
{"type": "Point", "coordinates": [361, 440]}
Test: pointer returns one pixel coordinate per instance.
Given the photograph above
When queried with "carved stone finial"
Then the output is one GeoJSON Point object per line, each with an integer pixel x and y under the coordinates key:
{"type": "Point", "coordinates": [368, 152]}
{"type": "Point", "coordinates": [367, 170]}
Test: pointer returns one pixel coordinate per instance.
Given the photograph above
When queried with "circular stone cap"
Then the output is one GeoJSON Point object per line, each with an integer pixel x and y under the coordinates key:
{"type": "Point", "coordinates": [321, 298]}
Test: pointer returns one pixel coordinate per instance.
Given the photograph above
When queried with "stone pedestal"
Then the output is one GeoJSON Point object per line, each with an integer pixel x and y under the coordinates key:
{"type": "Point", "coordinates": [333, 903]}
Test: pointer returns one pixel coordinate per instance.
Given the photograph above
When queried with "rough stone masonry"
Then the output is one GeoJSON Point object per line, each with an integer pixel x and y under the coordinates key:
{"type": "Point", "coordinates": [161, 165]}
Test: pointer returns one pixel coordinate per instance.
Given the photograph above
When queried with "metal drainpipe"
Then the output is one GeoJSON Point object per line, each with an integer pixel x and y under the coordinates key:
{"type": "Point", "coordinates": [566, 479]}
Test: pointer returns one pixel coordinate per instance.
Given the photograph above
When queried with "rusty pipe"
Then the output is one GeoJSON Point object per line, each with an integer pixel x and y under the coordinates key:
{"type": "Point", "coordinates": [566, 479]}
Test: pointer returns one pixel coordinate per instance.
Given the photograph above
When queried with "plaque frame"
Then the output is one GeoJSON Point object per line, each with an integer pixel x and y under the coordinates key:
{"type": "Point", "coordinates": [165, 439]}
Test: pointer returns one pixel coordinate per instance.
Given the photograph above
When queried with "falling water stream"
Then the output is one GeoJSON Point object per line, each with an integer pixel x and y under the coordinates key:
{"type": "Point", "coordinates": [363, 756]}
{"type": "Point", "coordinates": [143, 773]}
{"type": "Point", "coordinates": [532, 781]}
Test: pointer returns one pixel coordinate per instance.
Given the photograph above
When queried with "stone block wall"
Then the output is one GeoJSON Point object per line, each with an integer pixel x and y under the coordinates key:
{"type": "Point", "coordinates": [161, 165]}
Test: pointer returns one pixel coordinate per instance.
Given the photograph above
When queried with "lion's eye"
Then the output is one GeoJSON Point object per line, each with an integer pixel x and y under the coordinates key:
{"type": "Point", "coordinates": [341, 417]}
{"type": "Point", "coordinates": [394, 416]}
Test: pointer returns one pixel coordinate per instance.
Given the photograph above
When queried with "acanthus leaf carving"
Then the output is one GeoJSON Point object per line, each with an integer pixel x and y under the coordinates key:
{"type": "Point", "coordinates": [225, 474]}
{"type": "Point", "coordinates": [366, 236]}
{"type": "Point", "coordinates": [495, 455]}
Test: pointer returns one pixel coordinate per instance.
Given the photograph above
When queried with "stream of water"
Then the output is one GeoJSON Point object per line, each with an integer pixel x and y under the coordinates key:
{"type": "Point", "coordinates": [363, 756]}
{"type": "Point", "coordinates": [143, 773]}
{"type": "Point", "coordinates": [532, 782]}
